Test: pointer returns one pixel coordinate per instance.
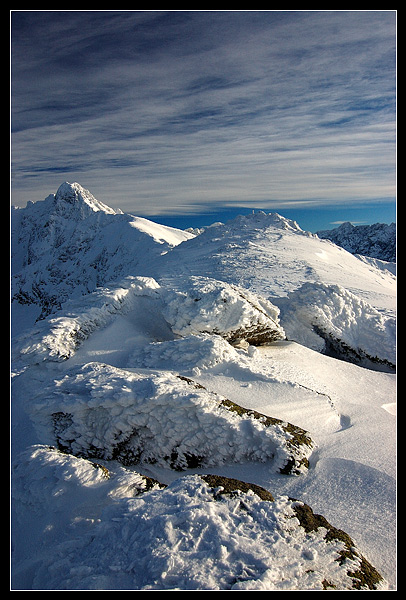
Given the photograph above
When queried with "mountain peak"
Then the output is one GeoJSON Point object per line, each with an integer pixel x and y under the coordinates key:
{"type": "Point", "coordinates": [262, 221]}
{"type": "Point", "coordinates": [346, 226]}
{"type": "Point", "coordinates": [73, 196]}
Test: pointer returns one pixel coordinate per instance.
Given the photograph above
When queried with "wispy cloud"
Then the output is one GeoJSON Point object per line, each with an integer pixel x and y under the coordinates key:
{"type": "Point", "coordinates": [173, 111]}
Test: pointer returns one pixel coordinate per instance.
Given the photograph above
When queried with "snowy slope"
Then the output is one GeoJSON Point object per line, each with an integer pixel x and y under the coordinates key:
{"type": "Point", "coordinates": [125, 397]}
{"type": "Point", "coordinates": [270, 255]}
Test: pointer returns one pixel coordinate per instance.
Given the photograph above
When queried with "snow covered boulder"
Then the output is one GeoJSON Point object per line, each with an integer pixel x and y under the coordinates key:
{"type": "Point", "coordinates": [332, 320]}
{"type": "Point", "coordinates": [103, 412]}
{"type": "Point", "coordinates": [202, 533]}
{"type": "Point", "coordinates": [204, 305]}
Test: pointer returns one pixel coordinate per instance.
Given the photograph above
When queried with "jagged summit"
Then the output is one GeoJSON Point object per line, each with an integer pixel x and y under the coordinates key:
{"type": "Point", "coordinates": [71, 243]}
{"type": "Point", "coordinates": [73, 196]}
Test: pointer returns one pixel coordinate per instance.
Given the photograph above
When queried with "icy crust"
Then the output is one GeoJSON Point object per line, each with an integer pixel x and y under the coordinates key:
{"type": "Point", "coordinates": [205, 305]}
{"type": "Point", "coordinates": [103, 412]}
{"type": "Point", "coordinates": [329, 318]}
{"type": "Point", "coordinates": [199, 533]}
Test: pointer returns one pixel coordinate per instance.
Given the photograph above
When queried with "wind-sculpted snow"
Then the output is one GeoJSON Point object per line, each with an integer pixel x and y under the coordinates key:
{"type": "Point", "coordinates": [201, 533]}
{"type": "Point", "coordinates": [157, 417]}
{"type": "Point", "coordinates": [189, 353]}
{"type": "Point", "coordinates": [204, 305]}
{"type": "Point", "coordinates": [201, 306]}
{"type": "Point", "coordinates": [330, 319]}
{"type": "Point", "coordinates": [57, 337]}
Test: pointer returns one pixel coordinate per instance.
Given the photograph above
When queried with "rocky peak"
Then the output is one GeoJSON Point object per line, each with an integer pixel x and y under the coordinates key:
{"type": "Point", "coordinates": [72, 198]}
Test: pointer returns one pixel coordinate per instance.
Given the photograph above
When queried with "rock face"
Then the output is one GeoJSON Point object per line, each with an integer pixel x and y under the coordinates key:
{"type": "Point", "coordinates": [376, 241]}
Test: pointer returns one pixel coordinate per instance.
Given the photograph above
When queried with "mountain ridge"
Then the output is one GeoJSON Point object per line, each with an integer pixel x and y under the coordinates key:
{"type": "Point", "coordinates": [376, 241]}
{"type": "Point", "coordinates": [70, 243]}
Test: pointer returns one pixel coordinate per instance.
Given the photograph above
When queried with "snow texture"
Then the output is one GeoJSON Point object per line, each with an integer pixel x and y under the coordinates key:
{"type": "Point", "coordinates": [318, 314]}
{"type": "Point", "coordinates": [182, 537]}
{"type": "Point", "coordinates": [153, 368]}
{"type": "Point", "coordinates": [103, 412]}
{"type": "Point", "coordinates": [210, 306]}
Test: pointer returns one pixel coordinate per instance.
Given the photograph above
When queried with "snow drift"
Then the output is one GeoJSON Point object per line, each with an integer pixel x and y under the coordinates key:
{"type": "Point", "coordinates": [202, 305]}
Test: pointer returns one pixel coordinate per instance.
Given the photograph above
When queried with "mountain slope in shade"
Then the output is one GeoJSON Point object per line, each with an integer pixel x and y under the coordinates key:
{"type": "Point", "coordinates": [70, 243]}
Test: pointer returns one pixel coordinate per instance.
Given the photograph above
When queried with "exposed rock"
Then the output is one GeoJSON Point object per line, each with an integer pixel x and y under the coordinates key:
{"type": "Point", "coordinates": [365, 576]}
{"type": "Point", "coordinates": [228, 485]}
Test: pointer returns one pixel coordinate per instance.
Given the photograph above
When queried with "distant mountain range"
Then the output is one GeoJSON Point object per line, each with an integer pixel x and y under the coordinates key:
{"type": "Point", "coordinates": [377, 240]}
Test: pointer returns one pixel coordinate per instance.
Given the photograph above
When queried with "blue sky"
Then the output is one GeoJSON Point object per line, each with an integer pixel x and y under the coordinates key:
{"type": "Point", "coordinates": [207, 114]}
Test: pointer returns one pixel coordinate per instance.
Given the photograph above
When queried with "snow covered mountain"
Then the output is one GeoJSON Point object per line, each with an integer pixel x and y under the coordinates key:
{"type": "Point", "coordinates": [70, 243]}
{"type": "Point", "coordinates": [376, 241]}
{"type": "Point", "coordinates": [156, 372]}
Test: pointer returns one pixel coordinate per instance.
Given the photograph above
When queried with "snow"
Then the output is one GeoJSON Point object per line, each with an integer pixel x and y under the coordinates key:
{"type": "Point", "coordinates": [207, 305]}
{"type": "Point", "coordinates": [69, 244]}
{"type": "Point", "coordinates": [339, 314]}
{"type": "Point", "coordinates": [271, 256]}
{"type": "Point", "coordinates": [135, 382]}
{"type": "Point", "coordinates": [177, 538]}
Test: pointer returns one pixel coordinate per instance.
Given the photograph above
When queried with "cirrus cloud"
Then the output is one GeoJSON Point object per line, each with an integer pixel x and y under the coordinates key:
{"type": "Point", "coordinates": [175, 111]}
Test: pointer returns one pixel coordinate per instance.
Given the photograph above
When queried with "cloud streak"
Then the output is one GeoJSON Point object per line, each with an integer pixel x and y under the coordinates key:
{"type": "Point", "coordinates": [164, 112]}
